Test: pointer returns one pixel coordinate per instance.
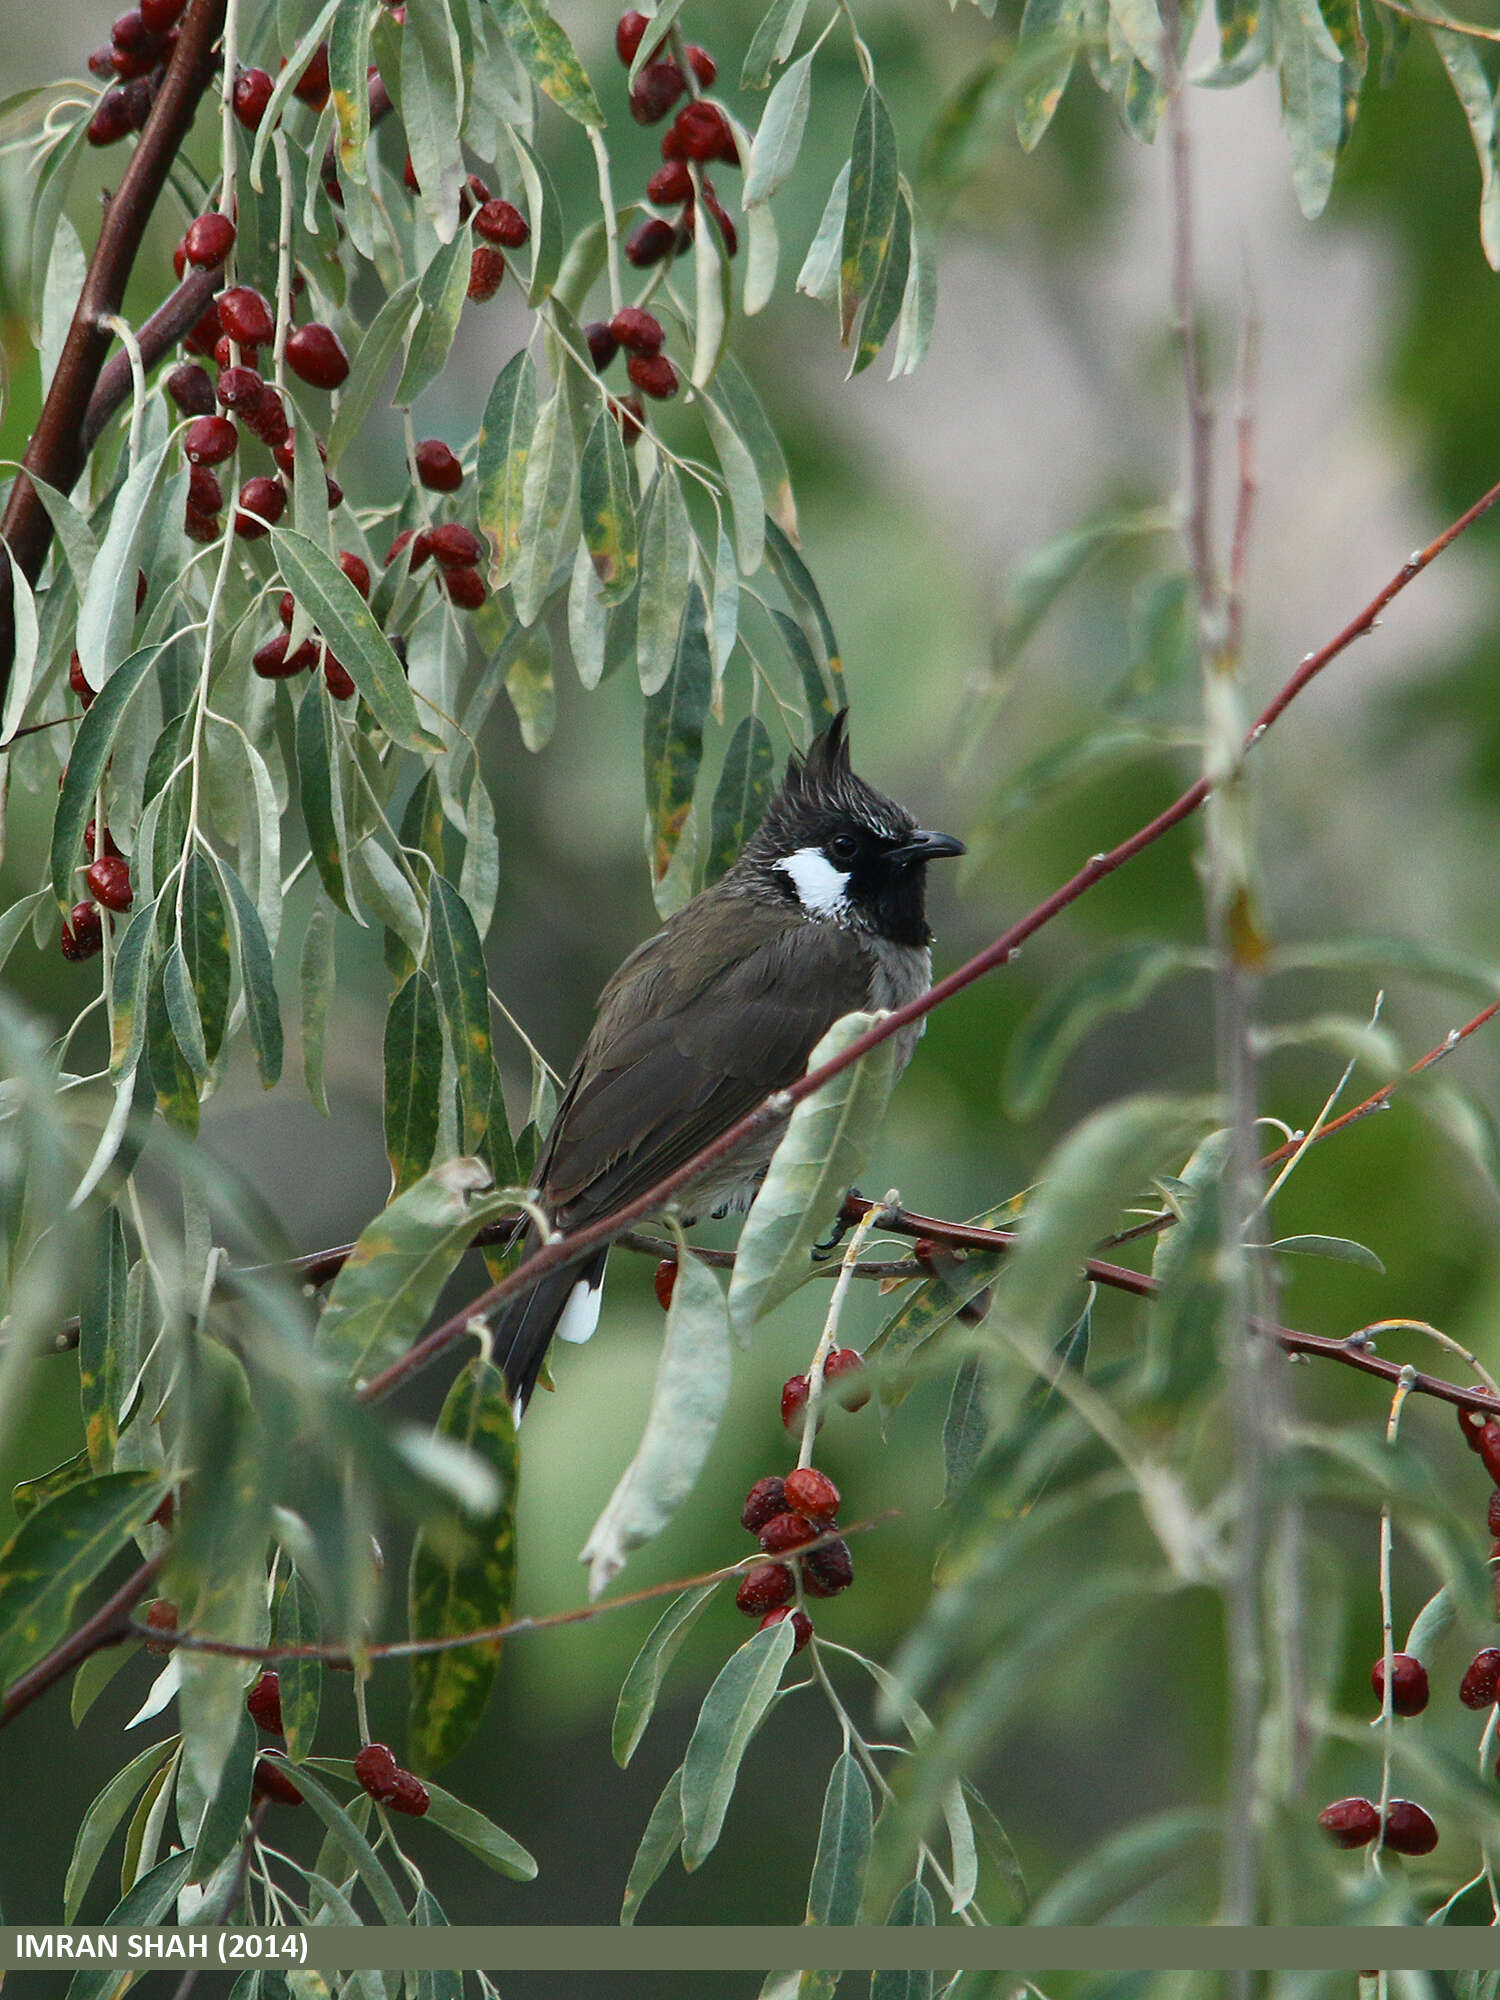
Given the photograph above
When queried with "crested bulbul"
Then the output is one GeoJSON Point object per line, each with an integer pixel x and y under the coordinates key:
{"type": "Point", "coordinates": [822, 915]}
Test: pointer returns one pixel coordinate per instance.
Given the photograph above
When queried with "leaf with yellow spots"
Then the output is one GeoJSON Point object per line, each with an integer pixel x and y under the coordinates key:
{"type": "Point", "coordinates": [674, 738]}
{"type": "Point", "coordinates": [106, 1367]}
{"type": "Point", "coordinates": [870, 216]}
{"type": "Point", "coordinates": [55, 1555]}
{"type": "Point", "coordinates": [205, 950]}
{"type": "Point", "coordinates": [504, 449]}
{"type": "Point", "coordinates": [413, 1076]}
{"type": "Point", "coordinates": [544, 49]}
{"type": "Point", "coordinates": [348, 60]}
{"type": "Point", "coordinates": [608, 510]}
{"type": "Point", "coordinates": [463, 986]}
{"type": "Point", "coordinates": [465, 1579]}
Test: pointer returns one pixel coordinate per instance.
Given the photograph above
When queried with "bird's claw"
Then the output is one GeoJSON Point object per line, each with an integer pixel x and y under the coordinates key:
{"type": "Point", "coordinates": [843, 1222]}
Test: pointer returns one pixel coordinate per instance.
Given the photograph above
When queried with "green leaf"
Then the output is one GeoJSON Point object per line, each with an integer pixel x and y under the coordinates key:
{"type": "Point", "coordinates": [608, 509]}
{"type": "Point", "coordinates": [182, 1012]}
{"type": "Point", "coordinates": [724, 620]}
{"type": "Point", "coordinates": [1116, 983]}
{"type": "Point", "coordinates": [349, 626]}
{"type": "Point", "coordinates": [92, 744]}
{"type": "Point", "coordinates": [1466, 72]}
{"type": "Point", "coordinates": [550, 58]}
{"type": "Point", "coordinates": [1051, 31]}
{"type": "Point", "coordinates": [348, 60]}
{"type": "Point", "coordinates": [659, 1842]}
{"type": "Point", "coordinates": [965, 1428]}
{"type": "Point", "coordinates": [741, 480]}
{"type": "Point", "coordinates": [413, 1074]}
{"type": "Point", "coordinates": [104, 1815]}
{"type": "Point", "coordinates": [743, 793]}
{"type": "Point", "coordinates": [171, 1078]}
{"type": "Point", "coordinates": [833, 1895]}
{"type": "Point", "coordinates": [223, 1821]}
{"type": "Point", "coordinates": [870, 215]}
{"type": "Point", "coordinates": [778, 139]}
{"type": "Point", "coordinates": [372, 362]}
{"type": "Point", "coordinates": [56, 1553]}
{"type": "Point", "coordinates": [819, 275]}
{"type": "Point", "coordinates": [106, 1366]}
{"type": "Point", "coordinates": [810, 1171]}
{"type": "Point", "coordinates": [316, 985]}
{"type": "Point", "coordinates": [29, 1494]}
{"type": "Point", "coordinates": [888, 293]}
{"type": "Point", "coordinates": [1124, 1863]}
{"type": "Point", "coordinates": [674, 738]}
{"type": "Point", "coordinates": [317, 778]}
{"type": "Point", "coordinates": [732, 1711]}
{"type": "Point", "coordinates": [1312, 101]}
{"type": "Point", "coordinates": [530, 689]}
{"type": "Point", "coordinates": [465, 1579]}
{"type": "Point", "coordinates": [919, 304]}
{"type": "Point", "coordinates": [205, 949]}
{"type": "Point", "coordinates": [796, 579]}
{"type": "Point", "coordinates": [545, 213]}
{"type": "Point", "coordinates": [1342, 1250]}
{"type": "Point", "coordinates": [588, 620]}
{"type": "Point", "coordinates": [510, 419]}
{"type": "Point", "coordinates": [547, 503]}
{"type": "Point", "coordinates": [687, 1404]}
{"type": "Point", "coordinates": [463, 985]}
{"type": "Point", "coordinates": [144, 1906]}
{"type": "Point", "coordinates": [431, 98]}
{"type": "Point", "coordinates": [301, 1681]}
{"type": "Point", "coordinates": [666, 572]}
{"type": "Point", "coordinates": [257, 980]}
{"type": "Point", "coordinates": [773, 41]}
{"type": "Point", "coordinates": [482, 1838]}
{"type": "Point", "coordinates": [912, 1906]}
{"type": "Point", "coordinates": [391, 1279]}
{"type": "Point", "coordinates": [643, 1683]}
{"type": "Point", "coordinates": [356, 1849]}
{"type": "Point", "coordinates": [713, 301]}
{"type": "Point", "coordinates": [106, 609]}
{"type": "Point", "coordinates": [653, 37]}
{"type": "Point", "coordinates": [440, 297]}
{"type": "Point", "coordinates": [747, 414]}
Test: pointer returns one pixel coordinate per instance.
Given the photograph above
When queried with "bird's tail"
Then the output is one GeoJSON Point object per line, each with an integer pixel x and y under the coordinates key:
{"type": "Point", "coordinates": [563, 1302]}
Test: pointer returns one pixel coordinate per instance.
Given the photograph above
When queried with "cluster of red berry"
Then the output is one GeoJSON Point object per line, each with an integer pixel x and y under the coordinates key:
{"type": "Point", "coordinates": [700, 132]}
{"type": "Point", "coordinates": [109, 883]}
{"type": "Point", "coordinates": [375, 1766]}
{"type": "Point", "coordinates": [785, 1515]}
{"type": "Point", "coordinates": [1409, 1828]}
{"type": "Point", "coordinates": [135, 61]}
{"type": "Point", "coordinates": [500, 225]}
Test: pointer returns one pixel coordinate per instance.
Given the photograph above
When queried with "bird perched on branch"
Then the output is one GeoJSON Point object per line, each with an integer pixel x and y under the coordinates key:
{"type": "Point", "coordinates": [822, 915]}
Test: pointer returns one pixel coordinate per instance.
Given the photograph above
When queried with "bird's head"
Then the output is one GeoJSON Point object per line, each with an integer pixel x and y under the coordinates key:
{"type": "Point", "coordinates": [842, 851]}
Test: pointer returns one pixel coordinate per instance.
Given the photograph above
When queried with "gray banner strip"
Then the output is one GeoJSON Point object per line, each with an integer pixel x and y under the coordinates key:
{"type": "Point", "coordinates": [733, 1948]}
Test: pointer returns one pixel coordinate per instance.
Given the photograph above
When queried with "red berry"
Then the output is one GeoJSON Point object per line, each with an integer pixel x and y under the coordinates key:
{"type": "Point", "coordinates": [639, 331]}
{"type": "Point", "coordinates": [1494, 1512]}
{"type": "Point", "coordinates": [209, 440]}
{"type": "Point", "coordinates": [409, 176]}
{"type": "Point", "coordinates": [653, 375]}
{"type": "Point", "coordinates": [437, 468]}
{"type": "Point", "coordinates": [665, 1281]}
{"type": "Point", "coordinates": [700, 131]}
{"type": "Point", "coordinates": [305, 658]}
{"type": "Point", "coordinates": [287, 608]}
{"type": "Point", "coordinates": [786, 1531]}
{"type": "Point", "coordinates": [649, 242]}
{"type": "Point", "coordinates": [657, 89]}
{"type": "Point", "coordinates": [486, 270]}
{"type": "Point", "coordinates": [259, 497]}
{"type": "Point", "coordinates": [603, 347]}
{"type": "Point", "coordinates": [1350, 1822]}
{"type": "Point", "coordinates": [179, 260]}
{"type": "Point", "coordinates": [238, 388]}
{"type": "Point", "coordinates": [316, 353]}
{"type": "Point", "coordinates": [245, 315]}
{"type": "Point", "coordinates": [356, 569]}
{"type": "Point", "coordinates": [200, 527]}
{"type": "Point", "coordinates": [111, 119]}
{"type": "Point", "coordinates": [88, 837]}
{"type": "Point", "coordinates": [801, 1624]}
{"type": "Point", "coordinates": [79, 685]}
{"type": "Point", "coordinates": [161, 1616]}
{"type": "Point", "coordinates": [375, 1767]}
{"type": "Point", "coordinates": [130, 64]}
{"type": "Point", "coordinates": [477, 192]}
{"type": "Point", "coordinates": [503, 223]}
{"type": "Point", "coordinates": [264, 1703]}
{"type": "Point", "coordinates": [763, 1588]}
{"type": "Point", "coordinates": [1409, 1829]}
{"type": "Point", "coordinates": [340, 681]}
{"type": "Point", "coordinates": [130, 32]}
{"type": "Point", "coordinates": [191, 390]}
{"type": "Point", "coordinates": [843, 1366]}
{"type": "Point", "coordinates": [140, 588]}
{"type": "Point", "coordinates": [670, 183]}
{"type": "Point", "coordinates": [766, 1499]}
{"type": "Point", "coordinates": [205, 495]}
{"type": "Point", "coordinates": [406, 536]}
{"type": "Point", "coordinates": [252, 93]}
{"type": "Point", "coordinates": [794, 1394]}
{"type": "Point", "coordinates": [1409, 1690]}
{"type": "Point", "coordinates": [271, 1782]}
{"type": "Point", "coordinates": [109, 882]}
{"type": "Point", "coordinates": [100, 63]}
{"type": "Point", "coordinates": [1482, 1679]}
{"type": "Point", "coordinates": [334, 491]}
{"type": "Point", "coordinates": [204, 335]}
{"type": "Point", "coordinates": [270, 660]}
{"type": "Point", "coordinates": [209, 240]}
{"type": "Point", "coordinates": [1489, 1448]}
{"type": "Point", "coordinates": [702, 65]}
{"type": "Point", "coordinates": [454, 545]}
{"type": "Point", "coordinates": [267, 417]}
{"type": "Point", "coordinates": [286, 457]}
{"type": "Point", "coordinates": [812, 1493]}
{"type": "Point", "coordinates": [160, 15]}
{"type": "Point", "coordinates": [312, 85]}
{"type": "Point", "coordinates": [139, 95]}
{"type": "Point", "coordinates": [828, 1570]}
{"type": "Point", "coordinates": [465, 587]}
{"type": "Point", "coordinates": [224, 352]}
{"type": "Point", "coordinates": [629, 413]}
{"type": "Point", "coordinates": [408, 1795]}
{"type": "Point", "coordinates": [630, 31]}
{"type": "Point", "coordinates": [421, 548]}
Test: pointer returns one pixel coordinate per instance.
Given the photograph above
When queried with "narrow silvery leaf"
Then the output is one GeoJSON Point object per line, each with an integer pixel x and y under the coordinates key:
{"type": "Point", "coordinates": [257, 980]}
{"type": "Point", "coordinates": [432, 94]}
{"type": "Point", "coordinates": [762, 256]}
{"type": "Point", "coordinates": [607, 509]}
{"type": "Point", "coordinates": [732, 1711]}
{"type": "Point", "coordinates": [317, 782]}
{"type": "Point", "coordinates": [551, 59]}
{"type": "Point", "coordinates": [463, 984]}
{"type": "Point", "coordinates": [724, 621]}
{"type": "Point", "coordinates": [440, 297]}
{"type": "Point", "coordinates": [660, 1841]}
{"type": "Point", "coordinates": [547, 499]}
{"type": "Point", "coordinates": [843, 1845]}
{"type": "Point", "coordinates": [870, 214]}
{"type": "Point", "coordinates": [1050, 34]}
{"type": "Point", "coordinates": [811, 1170]}
{"type": "Point", "coordinates": [504, 449]}
{"type": "Point", "coordinates": [1312, 102]}
{"type": "Point", "coordinates": [301, 1690]}
{"type": "Point", "coordinates": [741, 480]}
{"type": "Point", "coordinates": [105, 1814]}
{"type": "Point", "coordinates": [107, 610]}
{"type": "Point", "coordinates": [655, 34]}
{"type": "Point", "coordinates": [692, 1388]}
{"type": "Point", "coordinates": [106, 1365]}
{"type": "Point", "coordinates": [773, 41]}
{"type": "Point", "coordinates": [315, 985]}
{"type": "Point", "coordinates": [23, 664]}
{"type": "Point", "coordinates": [919, 307]}
{"type": "Point", "coordinates": [747, 413]}
{"type": "Point", "coordinates": [55, 1555]}
{"type": "Point", "coordinates": [912, 1906]}
{"type": "Point", "coordinates": [369, 367]}
{"type": "Point", "coordinates": [204, 935]}
{"type": "Point", "coordinates": [587, 619]}
{"type": "Point", "coordinates": [642, 1684]}
{"type": "Point", "coordinates": [90, 753]}
{"type": "Point", "coordinates": [778, 139]}
{"type": "Point", "coordinates": [712, 301]}
{"type": "Point", "coordinates": [530, 688]}
{"type": "Point", "coordinates": [666, 572]}
{"type": "Point", "coordinates": [545, 213]}
{"type": "Point", "coordinates": [965, 1428]}
{"type": "Point", "coordinates": [888, 293]}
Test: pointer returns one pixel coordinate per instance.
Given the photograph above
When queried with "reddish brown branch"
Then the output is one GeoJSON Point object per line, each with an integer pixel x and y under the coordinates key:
{"type": "Point", "coordinates": [109, 1626]}
{"type": "Point", "coordinates": [166, 326]}
{"type": "Point", "coordinates": [56, 451]}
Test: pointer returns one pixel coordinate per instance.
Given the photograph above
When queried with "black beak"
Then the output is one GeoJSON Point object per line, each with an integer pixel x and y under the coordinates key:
{"type": "Point", "coordinates": [925, 846]}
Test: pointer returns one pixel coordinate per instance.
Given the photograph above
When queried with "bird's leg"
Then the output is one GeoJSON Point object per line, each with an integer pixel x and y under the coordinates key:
{"type": "Point", "coordinates": [843, 1222]}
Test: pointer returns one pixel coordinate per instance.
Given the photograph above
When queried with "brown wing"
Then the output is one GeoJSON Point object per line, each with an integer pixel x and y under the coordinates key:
{"type": "Point", "coordinates": [677, 1055]}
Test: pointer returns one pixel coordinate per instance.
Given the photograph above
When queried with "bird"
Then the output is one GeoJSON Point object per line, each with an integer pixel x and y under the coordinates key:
{"type": "Point", "coordinates": [822, 914]}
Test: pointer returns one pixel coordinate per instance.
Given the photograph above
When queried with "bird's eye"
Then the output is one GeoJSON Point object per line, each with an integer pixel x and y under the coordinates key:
{"type": "Point", "coordinates": [843, 847]}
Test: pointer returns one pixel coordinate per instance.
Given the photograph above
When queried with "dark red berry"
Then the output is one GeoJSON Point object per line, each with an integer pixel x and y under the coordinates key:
{"type": "Point", "coordinates": [700, 131]}
{"type": "Point", "coordinates": [437, 468]}
{"type": "Point", "coordinates": [630, 31]}
{"type": "Point", "coordinates": [1409, 1829]}
{"type": "Point", "coordinates": [111, 119]}
{"type": "Point", "coordinates": [205, 495]}
{"type": "Point", "coordinates": [670, 183]}
{"type": "Point", "coordinates": [287, 608]}
{"type": "Point", "coordinates": [402, 541]}
{"type": "Point", "coordinates": [765, 1500]}
{"type": "Point", "coordinates": [225, 350]}
{"type": "Point", "coordinates": [109, 882]}
{"type": "Point", "coordinates": [161, 1616]}
{"type": "Point", "coordinates": [486, 270]}
{"type": "Point", "coordinates": [603, 347]}
{"type": "Point", "coordinates": [409, 176]}
{"type": "Point", "coordinates": [271, 1782]}
{"type": "Point", "coordinates": [305, 658]}
{"type": "Point", "coordinates": [129, 31]}
{"type": "Point", "coordinates": [131, 64]}
{"type": "Point", "coordinates": [204, 335]}
{"type": "Point", "coordinates": [763, 1588]}
{"type": "Point", "coordinates": [262, 503]}
{"type": "Point", "coordinates": [503, 223]}
{"type": "Point", "coordinates": [639, 331]}
{"type": "Point", "coordinates": [476, 191]}
{"type": "Point", "coordinates": [649, 242]}
{"type": "Point", "coordinates": [1409, 1690]}
{"type": "Point", "coordinates": [252, 93]}
{"type": "Point", "coordinates": [160, 15]}
{"type": "Point", "coordinates": [267, 417]}
{"type": "Point", "coordinates": [786, 1531]}
{"type": "Point", "coordinates": [286, 457]}
{"type": "Point", "coordinates": [139, 95]}
{"type": "Point", "coordinates": [653, 375]}
{"type": "Point", "coordinates": [237, 388]}
{"type": "Point", "coordinates": [334, 491]}
{"type": "Point", "coordinates": [1494, 1512]}
{"type": "Point", "coordinates": [264, 1703]}
{"type": "Point", "coordinates": [340, 681]}
{"type": "Point", "coordinates": [801, 1624]}
{"type": "Point", "coordinates": [245, 315]}
{"type": "Point", "coordinates": [191, 390]}
{"type": "Point", "coordinates": [179, 260]}
{"type": "Point", "coordinates": [270, 660]}
{"type": "Point", "coordinates": [794, 1395]}
{"type": "Point", "coordinates": [1350, 1822]}
{"type": "Point", "coordinates": [316, 353]}
{"type": "Point", "coordinates": [88, 837]}
{"type": "Point", "coordinates": [812, 1493]}
{"type": "Point", "coordinates": [421, 547]}
{"type": "Point", "coordinates": [454, 545]}
{"type": "Point", "coordinates": [200, 527]}
{"type": "Point", "coordinates": [141, 588]}
{"type": "Point", "coordinates": [209, 440]}
{"type": "Point", "coordinates": [657, 89]}
{"type": "Point", "coordinates": [665, 1281]}
{"type": "Point", "coordinates": [209, 240]}
{"type": "Point", "coordinates": [465, 587]}
{"type": "Point", "coordinates": [1489, 1448]}
{"type": "Point", "coordinates": [356, 569]}
{"type": "Point", "coordinates": [629, 413]}
{"type": "Point", "coordinates": [408, 1795]}
{"type": "Point", "coordinates": [100, 63]}
{"type": "Point", "coordinates": [844, 1366]}
{"type": "Point", "coordinates": [828, 1570]}
{"type": "Point", "coordinates": [1482, 1679]}
{"type": "Point", "coordinates": [312, 85]}
{"type": "Point", "coordinates": [702, 65]}
{"type": "Point", "coordinates": [375, 1768]}
{"type": "Point", "coordinates": [79, 685]}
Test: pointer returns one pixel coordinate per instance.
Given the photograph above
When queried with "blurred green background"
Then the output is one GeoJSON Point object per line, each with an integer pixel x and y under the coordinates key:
{"type": "Point", "coordinates": [1050, 394]}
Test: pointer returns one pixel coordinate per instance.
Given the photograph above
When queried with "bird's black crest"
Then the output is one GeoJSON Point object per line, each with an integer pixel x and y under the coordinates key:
{"type": "Point", "coordinates": [822, 787]}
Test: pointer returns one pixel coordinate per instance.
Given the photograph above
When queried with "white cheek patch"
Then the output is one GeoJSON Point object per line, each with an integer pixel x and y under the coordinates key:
{"type": "Point", "coordinates": [581, 1314]}
{"type": "Point", "coordinates": [821, 889]}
